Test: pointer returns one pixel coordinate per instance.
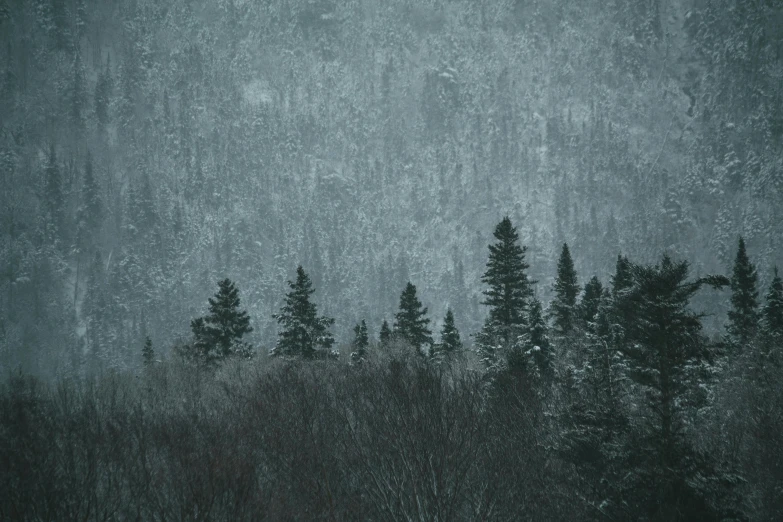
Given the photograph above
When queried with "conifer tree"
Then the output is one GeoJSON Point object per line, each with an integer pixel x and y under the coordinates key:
{"type": "Point", "coordinates": [450, 342]}
{"type": "Point", "coordinates": [90, 210]}
{"type": "Point", "coordinates": [147, 352]}
{"type": "Point", "coordinates": [666, 344]}
{"type": "Point", "coordinates": [533, 351]}
{"type": "Point", "coordinates": [772, 313]}
{"type": "Point", "coordinates": [218, 335]}
{"type": "Point", "coordinates": [360, 343]}
{"type": "Point", "coordinates": [622, 278]}
{"type": "Point", "coordinates": [411, 321]}
{"type": "Point", "coordinates": [54, 201]}
{"type": "Point", "coordinates": [304, 333]}
{"type": "Point", "coordinates": [590, 303]}
{"type": "Point", "coordinates": [508, 295]}
{"type": "Point", "coordinates": [385, 334]}
{"type": "Point", "coordinates": [563, 308]}
{"type": "Point", "coordinates": [743, 316]}
{"type": "Point", "coordinates": [103, 93]}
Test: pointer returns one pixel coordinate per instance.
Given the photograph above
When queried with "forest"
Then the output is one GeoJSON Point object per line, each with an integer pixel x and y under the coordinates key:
{"type": "Point", "coordinates": [391, 259]}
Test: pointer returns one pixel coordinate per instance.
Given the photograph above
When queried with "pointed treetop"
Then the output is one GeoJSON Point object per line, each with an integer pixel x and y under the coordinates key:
{"type": "Point", "coordinates": [773, 307]}
{"type": "Point", "coordinates": [450, 341]}
{"type": "Point", "coordinates": [743, 316]}
{"type": "Point", "coordinates": [411, 321]}
{"type": "Point", "coordinates": [566, 288]}
{"type": "Point", "coordinates": [385, 334]}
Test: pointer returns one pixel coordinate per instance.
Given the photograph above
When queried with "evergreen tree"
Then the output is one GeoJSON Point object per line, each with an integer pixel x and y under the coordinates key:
{"type": "Point", "coordinates": [772, 313]}
{"type": "Point", "coordinates": [411, 321]}
{"type": "Point", "coordinates": [54, 199]}
{"type": "Point", "coordinates": [450, 342]}
{"type": "Point", "coordinates": [508, 295]}
{"type": "Point", "coordinates": [147, 352]}
{"type": "Point", "coordinates": [563, 308]}
{"type": "Point", "coordinates": [385, 335]}
{"type": "Point", "coordinates": [590, 303]}
{"type": "Point", "coordinates": [665, 349]}
{"type": "Point", "coordinates": [103, 94]}
{"type": "Point", "coordinates": [360, 343]}
{"type": "Point", "coordinates": [304, 333]}
{"type": "Point", "coordinates": [90, 211]}
{"type": "Point", "coordinates": [743, 316]}
{"type": "Point", "coordinates": [622, 278]}
{"type": "Point", "coordinates": [218, 335]}
{"type": "Point", "coordinates": [78, 94]}
{"type": "Point", "coordinates": [533, 350]}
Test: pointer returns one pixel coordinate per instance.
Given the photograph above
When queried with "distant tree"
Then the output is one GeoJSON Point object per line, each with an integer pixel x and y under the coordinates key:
{"type": "Point", "coordinates": [360, 343]}
{"type": "Point", "coordinates": [508, 295]}
{"type": "Point", "coordinates": [563, 311]}
{"type": "Point", "coordinates": [743, 316]}
{"type": "Point", "coordinates": [103, 94]}
{"type": "Point", "coordinates": [89, 214]}
{"type": "Point", "coordinates": [218, 335]}
{"type": "Point", "coordinates": [54, 197]}
{"type": "Point", "coordinates": [304, 333]}
{"type": "Point", "coordinates": [450, 342]}
{"type": "Point", "coordinates": [590, 303]}
{"type": "Point", "coordinates": [147, 352]}
{"type": "Point", "coordinates": [772, 313]}
{"type": "Point", "coordinates": [385, 335]}
{"type": "Point", "coordinates": [78, 94]}
{"type": "Point", "coordinates": [411, 321]}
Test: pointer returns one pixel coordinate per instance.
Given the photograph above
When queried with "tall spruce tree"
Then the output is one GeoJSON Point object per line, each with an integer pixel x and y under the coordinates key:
{"type": "Point", "coordinates": [666, 345]}
{"type": "Point", "coordinates": [410, 323]}
{"type": "Point", "coordinates": [562, 310]}
{"type": "Point", "coordinates": [508, 295]}
{"type": "Point", "coordinates": [361, 342]}
{"type": "Point", "coordinates": [304, 333]}
{"type": "Point", "coordinates": [218, 335]}
{"type": "Point", "coordinates": [743, 316]}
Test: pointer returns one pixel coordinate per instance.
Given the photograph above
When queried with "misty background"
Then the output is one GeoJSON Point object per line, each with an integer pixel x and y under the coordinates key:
{"type": "Point", "coordinates": [149, 148]}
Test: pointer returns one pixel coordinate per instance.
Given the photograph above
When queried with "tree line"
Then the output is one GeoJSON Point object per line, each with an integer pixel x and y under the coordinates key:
{"type": "Point", "coordinates": [610, 403]}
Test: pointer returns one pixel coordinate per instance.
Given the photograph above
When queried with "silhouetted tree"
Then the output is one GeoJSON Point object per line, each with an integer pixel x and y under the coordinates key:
{"type": "Point", "coordinates": [410, 323]}
{"type": "Point", "coordinates": [304, 333]}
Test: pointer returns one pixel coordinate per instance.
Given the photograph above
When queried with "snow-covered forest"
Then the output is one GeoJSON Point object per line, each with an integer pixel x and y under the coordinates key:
{"type": "Point", "coordinates": [502, 260]}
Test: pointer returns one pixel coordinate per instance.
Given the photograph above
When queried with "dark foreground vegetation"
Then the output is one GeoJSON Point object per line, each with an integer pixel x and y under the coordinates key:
{"type": "Point", "coordinates": [396, 438]}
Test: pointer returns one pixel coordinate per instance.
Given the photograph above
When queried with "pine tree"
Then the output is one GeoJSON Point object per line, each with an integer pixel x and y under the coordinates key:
{"type": "Point", "coordinates": [304, 333]}
{"type": "Point", "coordinates": [622, 278]}
{"type": "Point", "coordinates": [563, 308]}
{"type": "Point", "coordinates": [772, 313]}
{"type": "Point", "coordinates": [148, 353]}
{"type": "Point", "coordinates": [665, 349]}
{"type": "Point", "coordinates": [411, 321]}
{"type": "Point", "coordinates": [533, 350]}
{"type": "Point", "coordinates": [218, 335]}
{"type": "Point", "coordinates": [54, 199]}
{"type": "Point", "coordinates": [508, 295]}
{"type": "Point", "coordinates": [450, 342]}
{"type": "Point", "coordinates": [103, 94]}
{"type": "Point", "coordinates": [90, 210]}
{"type": "Point", "coordinates": [590, 303]}
{"type": "Point", "coordinates": [360, 343]}
{"type": "Point", "coordinates": [385, 335]}
{"type": "Point", "coordinates": [78, 94]}
{"type": "Point", "coordinates": [743, 316]}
